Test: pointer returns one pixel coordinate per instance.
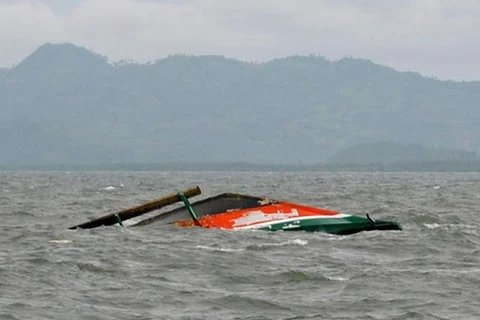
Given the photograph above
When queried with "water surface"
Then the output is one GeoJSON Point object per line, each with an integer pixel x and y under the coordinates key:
{"type": "Point", "coordinates": [430, 270]}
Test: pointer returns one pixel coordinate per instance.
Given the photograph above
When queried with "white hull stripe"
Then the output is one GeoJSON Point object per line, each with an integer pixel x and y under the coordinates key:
{"type": "Point", "coordinates": [292, 220]}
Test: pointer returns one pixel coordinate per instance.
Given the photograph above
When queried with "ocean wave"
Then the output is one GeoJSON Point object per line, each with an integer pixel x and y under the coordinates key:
{"type": "Point", "coordinates": [265, 246]}
{"type": "Point", "coordinates": [215, 248]}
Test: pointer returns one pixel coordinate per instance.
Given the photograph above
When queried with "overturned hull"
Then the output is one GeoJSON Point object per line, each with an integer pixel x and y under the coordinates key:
{"type": "Point", "coordinates": [232, 211]}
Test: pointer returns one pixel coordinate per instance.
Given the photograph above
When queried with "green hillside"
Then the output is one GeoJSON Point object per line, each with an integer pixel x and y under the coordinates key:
{"type": "Point", "coordinates": [65, 104]}
{"type": "Point", "coordinates": [383, 152]}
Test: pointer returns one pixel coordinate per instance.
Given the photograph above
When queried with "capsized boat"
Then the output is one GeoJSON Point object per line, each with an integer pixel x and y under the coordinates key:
{"type": "Point", "coordinates": [232, 211]}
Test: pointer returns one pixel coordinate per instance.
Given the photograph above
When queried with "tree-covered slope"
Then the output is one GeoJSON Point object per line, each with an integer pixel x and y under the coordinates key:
{"type": "Point", "coordinates": [209, 108]}
{"type": "Point", "coordinates": [383, 152]}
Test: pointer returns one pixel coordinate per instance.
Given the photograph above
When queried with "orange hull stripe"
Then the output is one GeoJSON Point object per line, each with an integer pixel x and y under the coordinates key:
{"type": "Point", "coordinates": [259, 215]}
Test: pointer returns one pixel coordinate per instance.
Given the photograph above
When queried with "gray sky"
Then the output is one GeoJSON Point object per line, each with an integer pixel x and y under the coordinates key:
{"type": "Point", "coordinates": [434, 37]}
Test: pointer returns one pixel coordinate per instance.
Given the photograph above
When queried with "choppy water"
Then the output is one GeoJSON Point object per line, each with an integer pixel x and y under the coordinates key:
{"type": "Point", "coordinates": [431, 270]}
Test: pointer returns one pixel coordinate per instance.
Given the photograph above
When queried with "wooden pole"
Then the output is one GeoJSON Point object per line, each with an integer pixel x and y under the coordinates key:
{"type": "Point", "coordinates": [138, 210]}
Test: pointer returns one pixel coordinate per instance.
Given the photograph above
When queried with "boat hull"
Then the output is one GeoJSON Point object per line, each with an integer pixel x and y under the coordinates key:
{"type": "Point", "coordinates": [241, 212]}
{"type": "Point", "coordinates": [231, 211]}
{"type": "Point", "coordinates": [340, 226]}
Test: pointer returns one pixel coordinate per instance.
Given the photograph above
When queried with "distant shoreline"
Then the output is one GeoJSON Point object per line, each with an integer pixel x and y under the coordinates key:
{"type": "Point", "coordinates": [431, 166]}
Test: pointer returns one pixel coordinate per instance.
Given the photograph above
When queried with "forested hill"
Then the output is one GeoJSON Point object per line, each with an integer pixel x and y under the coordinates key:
{"type": "Point", "coordinates": [65, 104]}
{"type": "Point", "coordinates": [390, 153]}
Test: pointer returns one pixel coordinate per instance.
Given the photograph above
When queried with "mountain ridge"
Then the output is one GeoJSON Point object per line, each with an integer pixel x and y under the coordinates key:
{"type": "Point", "coordinates": [298, 109]}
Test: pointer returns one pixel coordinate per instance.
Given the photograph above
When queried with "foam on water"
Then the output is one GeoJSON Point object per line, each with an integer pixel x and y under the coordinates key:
{"type": "Point", "coordinates": [337, 278]}
{"type": "Point", "coordinates": [210, 248]}
{"type": "Point", "coordinates": [433, 225]}
{"type": "Point", "coordinates": [63, 241]}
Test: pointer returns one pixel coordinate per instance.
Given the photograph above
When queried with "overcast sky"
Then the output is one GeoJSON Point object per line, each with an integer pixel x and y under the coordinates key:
{"type": "Point", "coordinates": [434, 37]}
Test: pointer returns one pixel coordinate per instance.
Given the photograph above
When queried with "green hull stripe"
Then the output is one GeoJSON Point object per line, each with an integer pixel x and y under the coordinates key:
{"type": "Point", "coordinates": [345, 225]}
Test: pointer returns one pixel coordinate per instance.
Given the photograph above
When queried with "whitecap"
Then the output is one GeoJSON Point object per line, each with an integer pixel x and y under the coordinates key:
{"type": "Point", "coordinates": [109, 188]}
{"type": "Point", "coordinates": [218, 249]}
{"type": "Point", "coordinates": [298, 242]}
{"type": "Point", "coordinates": [337, 278]}
{"type": "Point", "coordinates": [294, 242]}
{"type": "Point", "coordinates": [60, 241]}
{"type": "Point", "coordinates": [432, 225]}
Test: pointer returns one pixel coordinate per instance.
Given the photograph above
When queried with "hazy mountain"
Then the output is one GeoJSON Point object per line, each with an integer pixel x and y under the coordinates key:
{"type": "Point", "coordinates": [65, 104]}
{"type": "Point", "coordinates": [384, 152]}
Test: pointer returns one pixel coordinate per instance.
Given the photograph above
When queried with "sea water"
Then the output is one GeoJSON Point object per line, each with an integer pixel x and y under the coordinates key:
{"type": "Point", "coordinates": [430, 270]}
